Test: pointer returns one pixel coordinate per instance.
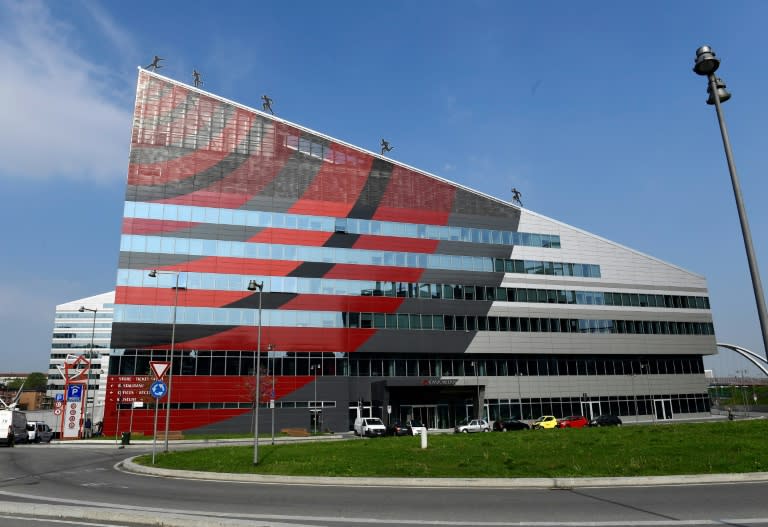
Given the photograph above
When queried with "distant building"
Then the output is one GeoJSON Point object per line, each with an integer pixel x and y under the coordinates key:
{"type": "Point", "coordinates": [72, 332]}
{"type": "Point", "coordinates": [387, 291]}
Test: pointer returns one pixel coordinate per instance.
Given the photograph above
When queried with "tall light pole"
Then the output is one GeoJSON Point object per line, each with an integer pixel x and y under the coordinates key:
{"type": "Point", "coordinates": [706, 65]}
{"type": "Point", "coordinates": [153, 274]}
{"type": "Point", "coordinates": [475, 366]}
{"type": "Point", "coordinates": [83, 309]}
{"type": "Point", "coordinates": [519, 391]}
{"type": "Point", "coordinates": [253, 285]}
{"type": "Point", "coordinates": [634, 392]}
{"type": "Point", "coordinates": [315, 367]}
{"type": "Point", "coordinates": [647, 368]}
{"type": "Point", "coordinates": [270, 349]}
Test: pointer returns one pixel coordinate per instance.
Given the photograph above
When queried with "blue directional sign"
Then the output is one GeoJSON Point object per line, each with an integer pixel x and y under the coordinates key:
{"type": "Point", "coordinates": [158, 389]}
{"type": "Point", "coordinates": [74, 392]}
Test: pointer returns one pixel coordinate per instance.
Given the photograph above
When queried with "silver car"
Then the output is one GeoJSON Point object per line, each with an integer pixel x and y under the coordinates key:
{"type": "Point", "coordinates": [473, 425]}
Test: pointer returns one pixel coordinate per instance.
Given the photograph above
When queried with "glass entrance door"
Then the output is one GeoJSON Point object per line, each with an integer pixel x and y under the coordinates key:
{"type": "Point", "coordinates": [590, 409]}
{"type": "Point", "coordinates": [663, 409]}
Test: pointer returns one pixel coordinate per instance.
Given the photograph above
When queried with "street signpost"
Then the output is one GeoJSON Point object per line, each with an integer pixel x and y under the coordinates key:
{"type": "Point", "coordinates": [158, 390]}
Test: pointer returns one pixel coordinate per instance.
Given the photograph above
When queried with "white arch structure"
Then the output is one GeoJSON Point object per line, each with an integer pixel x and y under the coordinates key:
{"type": "Point", "coordinates": [751, 356]}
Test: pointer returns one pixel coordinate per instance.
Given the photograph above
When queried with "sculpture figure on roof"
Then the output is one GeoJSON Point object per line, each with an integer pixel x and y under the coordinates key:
{"type": "Point", "coordinates": [516, 194]}
{"type": "Point", "coordinates": [385, 146]}
{"type": "Point", "coordinates": [196, 77]}
{"type": "Point", "coordinates": [266, 105]}
{"type": "Point", "coordinates": [155, 64]}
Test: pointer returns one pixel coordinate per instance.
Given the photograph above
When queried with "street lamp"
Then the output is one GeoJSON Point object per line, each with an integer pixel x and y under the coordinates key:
{"type": "Point", "coordinates": [647, 368]}
{"type": "Point", "coordinates": [518, 374]}
{"type": "Point", "coordinates": [270, 347]}
{"type": "Point", "coordinates": [475, 366]}
{"type": "Point", "coordinates": [83, 309]}
{"type": "Point", "coordinates": [706, 65]}
{"type": "Point", "coordinates": [153, 274]}
{"type": "Point", "coordinates": [314, 368]}
{"type": "Point", "coordinates": [253, 285]}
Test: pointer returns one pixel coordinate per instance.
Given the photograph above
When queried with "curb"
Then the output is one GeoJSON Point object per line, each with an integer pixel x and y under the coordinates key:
{"type": "Point", "coordinates": [128, 516]}
{"type": "Point", "coordinates": [128, 465]}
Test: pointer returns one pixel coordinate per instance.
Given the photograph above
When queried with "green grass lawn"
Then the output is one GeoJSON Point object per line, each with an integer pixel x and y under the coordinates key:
{"type": "Point", "coordinates": [700, 448]}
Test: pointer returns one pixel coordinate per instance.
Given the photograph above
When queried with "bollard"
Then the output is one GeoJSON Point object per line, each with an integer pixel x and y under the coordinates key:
{"type": "Point", "coordinates": [424, 438]}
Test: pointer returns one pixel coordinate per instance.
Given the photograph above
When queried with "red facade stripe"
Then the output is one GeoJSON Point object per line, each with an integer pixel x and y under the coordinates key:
{"type": "Point", "coordinates": [368, 304]}
{"type": "Point", "coordinates": [394, 243]}
{"type": "Point", "coordinates": [296, 339]}
{"type": "Point", "coordinates": [291, 237]}
{"type": "Point", "coordinates": [375, 272]}
{"type": "Point", "coordinates": [163, 296]}
{"type": "Point", "coordinates": [221, 265]}
{"type": "Point", "coordinates": [147, 226]}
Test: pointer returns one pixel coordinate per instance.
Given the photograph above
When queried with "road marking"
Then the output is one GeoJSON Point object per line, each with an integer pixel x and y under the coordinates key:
{"type": "Point", "coordinates": [50, 520]}
{"type": "Point", "coordinates": [389, 521]}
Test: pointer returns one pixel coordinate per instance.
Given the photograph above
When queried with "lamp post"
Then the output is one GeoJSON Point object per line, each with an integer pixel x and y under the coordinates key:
{"type": "Point", "coordinates": [270, 347]}
{"type": "Point", "coordinates": [647, 368]}
{"type": "Point", "coordinates": [314, 368]}
{"type": "Point", "coordinates": [153, 274]}
{"type": "Point", "coordinates": [634, 392]}
{"type": "Point", "coordinates": [475, 366]}
{"type": "Point", "coordinates": [519, 393]}
{"type": "Point", "coordinates": [83, 309]}
{"type": "Point", "coordinates": [706, 65]}
{"type": "Point", "coordinates": [253, 285]}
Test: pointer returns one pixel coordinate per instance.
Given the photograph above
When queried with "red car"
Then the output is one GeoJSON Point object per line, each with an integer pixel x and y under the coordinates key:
{"type": "Point", "coordinates": [573, 421]}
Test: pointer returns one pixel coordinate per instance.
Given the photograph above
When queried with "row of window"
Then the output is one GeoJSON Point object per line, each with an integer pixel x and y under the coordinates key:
{"type": "Point", "coordinates": [136, 362]}
{"type": "Point", "coordinates": [624, 406]}
{"type": "Point", "coordinates": [402, 321]}
{"type": "Point", "coordinates": [231, 405]}
{"type": "Point", "coordinates": [302, 253]}
{"type": "Point", "coordinates": [279, 220]}
{"type": "Point", "coordinates": [287, 284]}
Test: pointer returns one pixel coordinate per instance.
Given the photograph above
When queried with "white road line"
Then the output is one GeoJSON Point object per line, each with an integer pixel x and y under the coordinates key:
{"type": "Point", "coordinates": [376, 521]}
{"type": "Point", "coordinates": [70, 522]}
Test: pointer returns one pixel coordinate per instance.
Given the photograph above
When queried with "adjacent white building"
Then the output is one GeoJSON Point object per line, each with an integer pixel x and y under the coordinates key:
{"type": "Point", "coordinates": [77, 332]}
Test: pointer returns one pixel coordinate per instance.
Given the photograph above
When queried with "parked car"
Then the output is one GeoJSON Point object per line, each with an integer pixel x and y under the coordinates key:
{"type": "Point", "coordinates": [396, 428]}
{"type": "Point", "coordinates": [605, 420]}
{"type": "Point", "coordinates": [369, 426]}
{"type": "Point", "coordinates": [39, 432]}
{"type": "Point", "coordinates": [545, 422]}
{"type": "Point", "coordinates": [416, 427]}
{"type": "Point", "coordinates": [472, 425]}
{"type": "Point", "coordinates": [13, 427]}
{"type": "Point", "coordinates": [573, 421]}
{"type": "Point", "coordinates": [509, 424]}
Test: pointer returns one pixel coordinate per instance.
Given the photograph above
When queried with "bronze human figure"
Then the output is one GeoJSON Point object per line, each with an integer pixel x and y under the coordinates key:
{"type": "Point", "coordinates": [385, 146]}
{"type": "Point", "coordinates": [196, 76]}
{"type": "Point", "coordinates": [155, 64]}
{"type": "Point", "coordinates": [266, 105]}
{"type": "Point", "coordinates": [516, 196]}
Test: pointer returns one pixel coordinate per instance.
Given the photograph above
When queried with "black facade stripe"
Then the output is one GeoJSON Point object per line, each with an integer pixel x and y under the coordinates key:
{"type": "Point", "coordinates": [373, 191]}
{"type": "Point", "coordinates": [417, 342]}
{"type": "Point", "coordinates": [288, 186]}
{"type": "Point", "coordinates": [341, 240]}
{"type": "Point", "coordinates": [268, 301]}
{"type": "Point", "coordinates": [137, 335]}
{"type": "Point", "coordinates": [312, 270]}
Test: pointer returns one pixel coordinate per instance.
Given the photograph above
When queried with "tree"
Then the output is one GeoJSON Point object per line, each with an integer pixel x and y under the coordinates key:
{"type": "Point", "coordinates": [35, 381]}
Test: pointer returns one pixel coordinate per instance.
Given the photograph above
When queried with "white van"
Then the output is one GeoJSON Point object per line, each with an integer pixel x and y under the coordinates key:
{"type": "Point", "coordinates": [39, 432]}
{"type": "Point", "coordinates": [369, 426]}
{"type": "Point", "coordinates": [13, 427]}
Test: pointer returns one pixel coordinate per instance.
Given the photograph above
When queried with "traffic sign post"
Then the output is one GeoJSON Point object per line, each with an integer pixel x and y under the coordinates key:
{"type": "Point", "coordinates": [158, 390]}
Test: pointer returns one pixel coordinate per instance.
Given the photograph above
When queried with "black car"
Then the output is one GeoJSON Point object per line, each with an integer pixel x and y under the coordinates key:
{"type": "Point", "coordinates": [605, 420]}
{"type": "Point", "coordinates": [509, 424]}
{"type": "Point", "coordinates": [396, 428]}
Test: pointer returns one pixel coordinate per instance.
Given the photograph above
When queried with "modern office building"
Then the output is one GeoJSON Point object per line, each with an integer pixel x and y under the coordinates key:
{"type": "Point", "coordinates": [387, 291]}
{"type": "Point", "coordinates": [74, 332]}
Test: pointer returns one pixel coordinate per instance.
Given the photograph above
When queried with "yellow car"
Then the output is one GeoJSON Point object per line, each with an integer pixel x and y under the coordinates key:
{"type": "Point", "coordinates": [545, 421]}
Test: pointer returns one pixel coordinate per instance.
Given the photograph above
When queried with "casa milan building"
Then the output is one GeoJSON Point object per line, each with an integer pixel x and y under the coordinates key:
{"type": "Point", "coordinates": [385, 290]}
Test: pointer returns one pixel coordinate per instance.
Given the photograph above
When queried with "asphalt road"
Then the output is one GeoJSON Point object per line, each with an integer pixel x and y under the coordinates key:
{"type": "Point", "coordinates": [79, 481]}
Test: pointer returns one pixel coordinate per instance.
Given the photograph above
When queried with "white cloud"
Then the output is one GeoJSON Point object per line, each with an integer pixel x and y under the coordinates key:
{"type": "Point", "coordinates": [59, 117]}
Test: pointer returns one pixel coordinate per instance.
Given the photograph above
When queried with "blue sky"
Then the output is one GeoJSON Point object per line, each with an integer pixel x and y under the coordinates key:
{"type": "Point", "coordinates": [589, 108]}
